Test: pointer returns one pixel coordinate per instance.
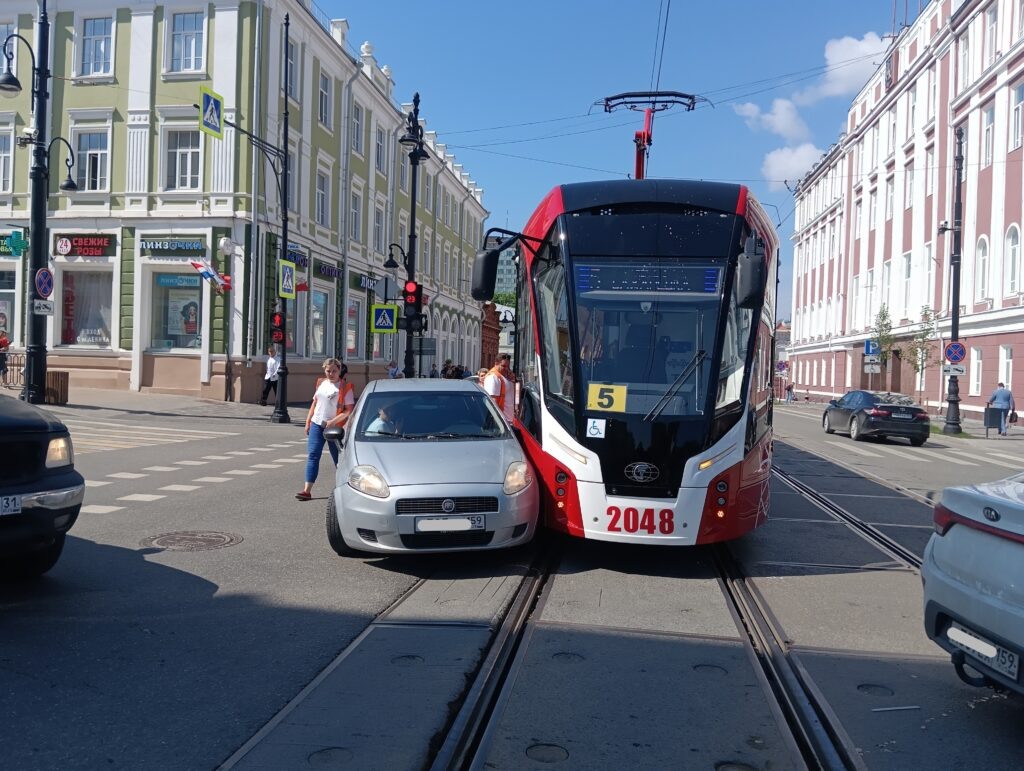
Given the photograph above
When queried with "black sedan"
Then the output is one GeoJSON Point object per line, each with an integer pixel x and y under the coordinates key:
{"type": "Point", "coordinates": [877, 414]}
{"type": "Point", "coordinates": [40, 491]}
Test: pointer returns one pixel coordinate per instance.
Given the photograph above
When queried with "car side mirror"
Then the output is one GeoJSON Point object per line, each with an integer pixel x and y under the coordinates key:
{"type": "Point", "coordinates": [833, 403]}
{"type": "Point", "coordinates": [334, 434]}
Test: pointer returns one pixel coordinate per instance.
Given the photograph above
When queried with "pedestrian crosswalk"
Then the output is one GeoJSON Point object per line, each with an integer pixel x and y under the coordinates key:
{"type": "Point", "coordinates": [98, 436]}
{"type": "Point", "coordinates": [925, 455]}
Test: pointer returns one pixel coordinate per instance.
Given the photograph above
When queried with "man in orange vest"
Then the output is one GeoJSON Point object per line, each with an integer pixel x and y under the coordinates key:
{"type": "Point", "coordinates": [500, 389]}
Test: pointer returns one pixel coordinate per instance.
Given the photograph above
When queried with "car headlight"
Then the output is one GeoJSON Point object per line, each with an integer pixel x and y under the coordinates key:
{"type": "Point", "coordinates": [518, 477]}
{"type": "Point", "coordinates": [60, 452]}
{"type": "Point", "coordinates": [366, 479]}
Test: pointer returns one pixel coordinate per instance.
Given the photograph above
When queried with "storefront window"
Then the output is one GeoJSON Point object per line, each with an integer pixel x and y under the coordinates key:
{"type": "Point", "coordinates": [353, 324]}
{"type": "Point", "coordinates": [177, 311]}
{"type": "Point", "coordinates": [318, 323]}
{"type": "Point", "coordinates": [7, 302]}
{"type": "Point", "coordinates": [85, 312]}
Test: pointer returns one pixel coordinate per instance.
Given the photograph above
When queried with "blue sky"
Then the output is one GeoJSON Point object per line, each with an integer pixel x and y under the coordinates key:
{"type": "Point", "coordinates": [781, 76]}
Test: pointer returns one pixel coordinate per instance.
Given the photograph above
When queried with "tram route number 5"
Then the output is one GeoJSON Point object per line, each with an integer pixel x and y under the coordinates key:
{"type": "Point", "coordinates": [606, 398]}
{"type": "Point", "coordinates": [630, 520]}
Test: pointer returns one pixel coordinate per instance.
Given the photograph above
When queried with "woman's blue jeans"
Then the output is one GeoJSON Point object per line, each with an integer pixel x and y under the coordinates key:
{"type": "Point", "coordinates": [315, 445]}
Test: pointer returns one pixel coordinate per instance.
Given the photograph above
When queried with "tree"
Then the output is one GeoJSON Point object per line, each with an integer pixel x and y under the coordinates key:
{"type": "Point", "coordinates": [505, 298]}
{"type": "Point", "coordinates": [881, 333]}
{"type": "Point", "coordinates": [920, 349]}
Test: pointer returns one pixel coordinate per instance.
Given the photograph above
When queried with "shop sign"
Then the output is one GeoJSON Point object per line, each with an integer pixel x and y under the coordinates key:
{"type": "Point", "coordinates": [327, 270]}
{"type": "Point", "coordinates": [361, 281]}
{"type": "Point", "coordinates": [174, 280]}
{"type": "Point", "coordinates": [77, 245]}
{"type": "Point", "coordinates": [297, 256]}
{"type": "Point", "coordinates": [172, 246]}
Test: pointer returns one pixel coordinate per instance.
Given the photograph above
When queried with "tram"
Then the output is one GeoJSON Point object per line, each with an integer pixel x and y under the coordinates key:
{"type": "Point", "coordinates": [644, 350]}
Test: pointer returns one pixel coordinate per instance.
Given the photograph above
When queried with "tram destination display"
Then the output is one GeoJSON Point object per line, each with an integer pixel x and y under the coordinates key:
{"type": "Point", "coordinates": [659, 276]}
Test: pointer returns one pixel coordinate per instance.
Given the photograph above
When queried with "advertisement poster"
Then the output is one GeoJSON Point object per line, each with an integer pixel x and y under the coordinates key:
{"type": "Point", "coordinates": [182, 312]}
{"type": "Point", "coordinates": [6, 314]}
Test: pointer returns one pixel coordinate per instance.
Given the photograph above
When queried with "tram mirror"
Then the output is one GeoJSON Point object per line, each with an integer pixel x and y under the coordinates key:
{"type": "Point", "coordinates": [750, 278]}
{"type": "Point", "coordinates": [485, 273]}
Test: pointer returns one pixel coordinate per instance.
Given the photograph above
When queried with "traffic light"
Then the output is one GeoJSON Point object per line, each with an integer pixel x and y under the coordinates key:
{"type": "Point", "coordinates": [277, 327]}
{"type": "Point", "coordinates": [412, 294]}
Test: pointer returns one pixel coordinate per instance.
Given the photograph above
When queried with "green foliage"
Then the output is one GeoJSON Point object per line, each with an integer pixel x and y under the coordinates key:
{"type": "Point", "coordinates": [882, 332]}
{"type": "Point", "coordinates": [921, 348]}
{"type": "Point", "coordinates": [505, 298]}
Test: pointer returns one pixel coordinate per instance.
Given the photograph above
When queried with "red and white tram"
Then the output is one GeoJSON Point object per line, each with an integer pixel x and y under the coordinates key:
{"type": "Point", "coordinates": [644, 354]}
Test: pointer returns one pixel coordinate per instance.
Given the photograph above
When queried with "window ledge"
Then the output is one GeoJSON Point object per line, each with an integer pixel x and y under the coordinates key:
{"type": "Point", "coordinates": [184, 75]}
{"type": "Point", "coordinates": [105, 79]}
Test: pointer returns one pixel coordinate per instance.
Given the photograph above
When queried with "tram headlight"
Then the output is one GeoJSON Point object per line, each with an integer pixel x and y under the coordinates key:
{"type": "Point", "coordinates": [517, 478]}
{"type": "Point", "coordinates": [367, 480]}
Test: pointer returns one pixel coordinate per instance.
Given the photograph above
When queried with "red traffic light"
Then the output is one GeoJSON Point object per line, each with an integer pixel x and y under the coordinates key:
{"type": "Point", "coordinates": [410, 292]}
{"type": "Point", "coordinates": [277, 320]}
{"type": "Point", "coordinates": [277, 336]}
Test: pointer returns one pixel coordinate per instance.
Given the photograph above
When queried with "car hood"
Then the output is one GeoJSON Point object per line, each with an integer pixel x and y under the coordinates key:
{"type": "Point", "coordinates": [18, 417]}
{"type": "Point", "coordinates": [442, 461]}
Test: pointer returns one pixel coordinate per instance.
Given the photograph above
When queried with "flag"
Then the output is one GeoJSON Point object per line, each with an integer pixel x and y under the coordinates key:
{"type": "Point", "coordinates": [207, 272]}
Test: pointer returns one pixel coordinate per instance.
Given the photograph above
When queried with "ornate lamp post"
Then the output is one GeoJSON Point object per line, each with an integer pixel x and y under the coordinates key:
{"type": "Point", "coordinates": [952, 424]}
{"type": "Point", "coordinates": [39, 175]}
{"type": "Point", "coordinates": [413, 139]}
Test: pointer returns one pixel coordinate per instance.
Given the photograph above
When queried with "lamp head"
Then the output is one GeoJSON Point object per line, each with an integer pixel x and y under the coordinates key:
{"type": "Point", "coordinates": [10, 86]}
{"type": "Point", "coordinates": [69, 185]}
{"type": "Point", "coordinates": [391, 264]}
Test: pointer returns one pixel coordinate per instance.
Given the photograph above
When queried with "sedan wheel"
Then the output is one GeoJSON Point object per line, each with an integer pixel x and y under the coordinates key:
{"type": "Point", "coordinates": [917, 441]}
{"type": "Point", "coordinates": [334, 536]}
{"type": "Point", "coordinates": [826, 423]}
{"type": "Point", "coordinates": [855, 433]}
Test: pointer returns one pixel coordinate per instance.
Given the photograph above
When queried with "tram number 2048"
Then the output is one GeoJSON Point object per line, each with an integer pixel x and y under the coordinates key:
{"type": "Point", "coordinates": [633, 520]}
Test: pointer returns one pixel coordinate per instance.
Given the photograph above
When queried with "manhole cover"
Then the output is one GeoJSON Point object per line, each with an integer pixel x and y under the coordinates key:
{"type": "Point", "coordinates": [710, 668]}
{"type": "Point", "coordinates": [547, 753]}
{"type": "Point", "coordinates": [192, 540]}
{"type": "Point", "coordinates": [875, 689]}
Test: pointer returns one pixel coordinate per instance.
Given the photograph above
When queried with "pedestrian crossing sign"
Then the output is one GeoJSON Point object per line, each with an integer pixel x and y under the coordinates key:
{"type": "Point", "coordinates": [384, 319]}
{"type": "Point", "coordinates": [286, 279]}
{"type": "Point", "coordinates": [211, 112]}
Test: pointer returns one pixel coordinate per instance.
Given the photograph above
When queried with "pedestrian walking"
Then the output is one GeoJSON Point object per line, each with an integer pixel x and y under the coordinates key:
{"type": "Point", "coordinates": [270, 378]}
{"type": "Point", "coordinates": [5, 346]}
{"type": "Point", "coordinates": [1002, 400]}
{"type": "Point", "coordinates": [433, 370]}
{"type": "Point", "coordinates": [500, 389]}
{"type": "Point", "coordinates": [790, 398]}
{"type": "Point", "coordinates": [393, 369]}
{"type": "Point", "coordinates": [333, 402]}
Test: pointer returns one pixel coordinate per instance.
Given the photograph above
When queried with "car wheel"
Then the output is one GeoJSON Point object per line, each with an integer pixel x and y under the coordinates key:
{"type": "Point", "coordinates": [917, 441]}
{"type": "Point", "coordinates": [334, 536]}
{"type": "Point", "coordinates": [35, 563]}
{"type": "Point", "coordinates": [826, 423]}
{"type": "Point", "coordinates": [855, 433]}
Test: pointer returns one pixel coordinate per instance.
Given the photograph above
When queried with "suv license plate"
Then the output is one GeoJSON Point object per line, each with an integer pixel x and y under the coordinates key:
{"type": "Point", "coordinates": [10, 504]}
{"type": "Point", "coordinates": [992, 655]}
{"type": "Point", "coordinates": [450, 524]}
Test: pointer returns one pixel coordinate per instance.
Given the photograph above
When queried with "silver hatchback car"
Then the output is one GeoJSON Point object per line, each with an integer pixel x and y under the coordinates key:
{"type": "Point", "coordinates": [430, 465]}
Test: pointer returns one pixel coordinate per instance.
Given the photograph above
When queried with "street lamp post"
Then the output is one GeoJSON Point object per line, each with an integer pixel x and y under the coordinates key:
{"type": "Point", "coordinates": [952, 424]}
{"type": "Point", "coordinates": [39, 175]}
{"type": "Point", "coordinates": [413, 139]}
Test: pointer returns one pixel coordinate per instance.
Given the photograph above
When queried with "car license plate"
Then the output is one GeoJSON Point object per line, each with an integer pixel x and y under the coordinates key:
{"type": "Point", "coordinates": [450, 524]}
{"type": "Point", "coordinates": [10, 504]}
{"type": "Point", "coordinates": [902, 415]}
{"type": "Point", "coordinates": [992, 655]}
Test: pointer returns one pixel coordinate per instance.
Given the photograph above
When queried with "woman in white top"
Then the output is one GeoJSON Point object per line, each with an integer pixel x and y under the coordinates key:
{"type": "Point", "coordinates": [324, 413]}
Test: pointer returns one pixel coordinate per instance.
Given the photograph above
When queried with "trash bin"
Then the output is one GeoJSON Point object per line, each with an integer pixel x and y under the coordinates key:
{"type": "Point", "coordinates": [993, 419]}
{"type": "Point", "coordinates": [56, 389]}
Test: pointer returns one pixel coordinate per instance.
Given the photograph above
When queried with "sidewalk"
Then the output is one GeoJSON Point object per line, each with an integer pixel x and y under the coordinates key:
{"type": "Point", "coordinates": [111, 404]}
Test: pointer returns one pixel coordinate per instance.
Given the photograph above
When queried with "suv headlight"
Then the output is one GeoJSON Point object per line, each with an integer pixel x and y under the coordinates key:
{"type": "Point", "coordinates": [518, 477]}
{"type": "Point", "coordinates": [366, 479]}
{"type": "Point", "coordinates": [60, 452]}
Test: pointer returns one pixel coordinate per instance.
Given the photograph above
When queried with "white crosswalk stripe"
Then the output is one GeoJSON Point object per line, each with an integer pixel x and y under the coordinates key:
{"type": "Point", "coordinates": [946, 457]}
{"type": "Point", "coordinates": [988, 459]}
{"type": "Point", "coordinates": [902, 454]}
{"type": "Point", "coordinates": [851, 447]}
{"type": "Point", "coordinates": [98, 436]}
{"type": "Point", "coordinates": [1017, 458]}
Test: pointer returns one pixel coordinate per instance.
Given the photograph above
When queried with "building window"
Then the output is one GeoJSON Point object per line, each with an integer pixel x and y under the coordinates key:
{"type": "Point", "coordinates": [325, 105]}
{"type": "Point", "coordinates": [6, 163]}
{"type": "Point", "coordinates": [86, 308]}
{"type": "Point", "coordinates": [1006, 366]}
{"type": "Point", "coordinates": [890, 144]}
{"type": "Point", "coordinates": [96, 48]}
{"type": "Point", "coordinates": [182, 160]}
{"type": "Point", "coordinates": [933, 91]}
{"type": "Point", "coordinates": [911, 110]}
{"type": "Point", "coordinates": [988, 119]}
{"type": "Point", "coordinates": [872, 209]}
{"type": "Point", "coordinates": [187, 42]}
{"type": "Point", "coordinates": [857, 218]}
{"type": "Point", "coordinates": [929, 268]}
{"type": "Point", "coordinates": [357, 128]}
{"type": "Point", "coordinates": [91, 160]}
{"type": "Point", "coordinates": [6, 30]}
{"type": "Point", "coordinates": [1012, 258]}
{"type": "Point", "coordinates": [354, 324]}
{"type": "Point", "coordinates": [378, 229]}
{"type": "Point", "coordinates": [906, 285]}
{"type": "Point", "coordinates": [7, 286]}
{"type": "Point", "coordinates": [975, 372]}
{"type": "Point", "coordinates": [909, 188]}
{"type": "Point", "coordinates": [889, 193]}
{"type": "Point", "coordinates": [293, 174]}
{"type": "Point", "coordinates": [323, 199]}
{"type": "Point", "coordinates": [1017, 116]}
{"type": "Point", "coordinates": [929, 171]}
{"type": "Point", "coordinates": [319, 323]}
{"type": "Point", "coordinates": [357, 218]}
{"type": "Point", "coordinates": [403, 172]}
{"type": "Point", "coordinates": [981, 271]}
{"type": "Point", "coordinates": [381, 152]}
{"type": "Point", "coordinates": [177, 311]}
{"type": "Point", "coordinates": [428, 192]}
{"type": "Point", "coordinates": [991, 29]}
{"type": "Point", "coordinates": [964, 45]}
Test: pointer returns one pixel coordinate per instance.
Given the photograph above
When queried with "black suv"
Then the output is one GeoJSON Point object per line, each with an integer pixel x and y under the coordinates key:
{"type": "Point", "coordinates": [40, 491]}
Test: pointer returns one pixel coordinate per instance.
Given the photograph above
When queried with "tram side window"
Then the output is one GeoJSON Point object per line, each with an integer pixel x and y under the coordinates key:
{"type": "Point", "coordinates": [556, 354]}
{"type": "Point", "coordinates": [526, 362]}
{"type": "Point", "coordinates": [735, 344]}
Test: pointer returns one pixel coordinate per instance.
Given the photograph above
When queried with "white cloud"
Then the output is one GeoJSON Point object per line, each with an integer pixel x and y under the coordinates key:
{"type": "Point", "coordinates": [783, 119]}
{"type": "Point", "coordinates": [789, 163]}
{"type": "Point", "coordinates": [850, 63]}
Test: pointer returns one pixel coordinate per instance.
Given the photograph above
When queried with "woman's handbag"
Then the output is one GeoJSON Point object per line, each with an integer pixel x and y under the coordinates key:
{"type": "Point", "coordinates": [1013, 416]}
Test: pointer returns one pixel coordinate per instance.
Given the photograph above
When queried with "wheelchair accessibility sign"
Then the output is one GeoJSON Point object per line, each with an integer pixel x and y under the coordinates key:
{"type": "Point", "coordinates": [384, 319]}
{"type": "Point", "coordinates": [595, 428]}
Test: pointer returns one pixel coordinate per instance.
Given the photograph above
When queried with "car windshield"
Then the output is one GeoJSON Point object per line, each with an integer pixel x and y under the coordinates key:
{"type": "Point", "coordinates": [429, 415]}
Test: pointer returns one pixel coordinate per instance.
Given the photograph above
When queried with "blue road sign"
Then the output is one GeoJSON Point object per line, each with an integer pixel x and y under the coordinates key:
{"type": "Point", "coordinates": [955, 352]}
{"type": "Point", "coordinates": [871, 348]}
{"type": "Point", "coordinates": [44, 283]}
{"type": "Point", "coordinates": [384, 318]}
{"type": "Point", "coordinates": [211, 112]}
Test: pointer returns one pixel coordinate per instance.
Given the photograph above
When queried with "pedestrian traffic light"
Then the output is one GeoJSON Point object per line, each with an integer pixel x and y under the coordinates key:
{"type": "Point", "coordinates": [412, 294]}
{"type": "Point", "coordinates": [277, 327]}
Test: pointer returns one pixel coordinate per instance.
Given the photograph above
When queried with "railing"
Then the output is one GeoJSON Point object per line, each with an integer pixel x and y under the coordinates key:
{"type": "Point", "coordinates": [319, 14]}
{"type": "Point", "coordinates": [15, 377]}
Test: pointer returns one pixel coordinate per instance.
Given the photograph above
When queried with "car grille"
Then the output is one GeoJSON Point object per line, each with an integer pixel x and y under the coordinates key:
{"type": "Point", "coordinates": [22, 459]}
{"type": "Point", "coordinates": [474, 505]}
{"type": "Point", "coordinates": [447, 540]}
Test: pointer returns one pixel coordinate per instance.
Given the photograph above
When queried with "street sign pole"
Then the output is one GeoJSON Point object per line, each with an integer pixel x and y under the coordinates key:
{"type": "Point", "coordinates": [952, 425]}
